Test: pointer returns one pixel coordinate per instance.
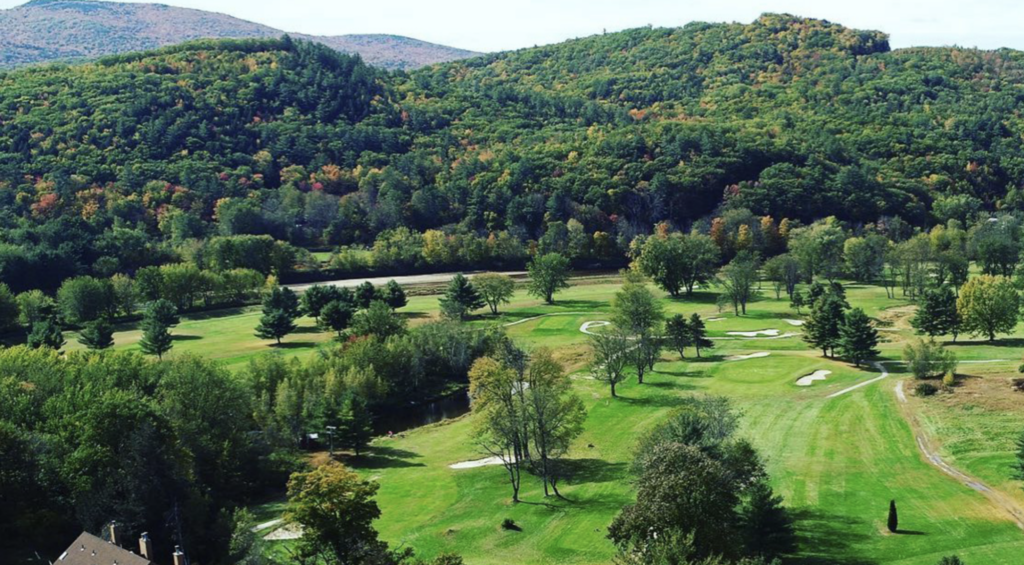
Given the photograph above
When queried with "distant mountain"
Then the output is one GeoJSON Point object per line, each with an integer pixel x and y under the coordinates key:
{"type": "Point", "coordinates": [66, 30]}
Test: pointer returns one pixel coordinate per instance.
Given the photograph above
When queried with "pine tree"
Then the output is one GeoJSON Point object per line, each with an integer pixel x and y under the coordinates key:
{"type": "Point", "coordinates": [97, 335]}
{"type": "Point", "coordinates": [937, 314]}
{"type": "Point", "coordinates": [822, 326]}
{"type": "Point", "coordinates": [677, 334]}
{"type": "Point", "coordinates": [163, 310]}
{"type": "Point", "coordinates": [275, 324]}
{"type": "Point", "coordinates": [797, 300]}
{"type": "Point", "coordinates": [46, 333]}
{"type": "Point", "coordinates": [767, 525]}
{"type": "Point", "coordinates": [356, 429]}
{"type": "Point", "coordinates": [394, 295]}
{"type": "Point", "coordinates": [460, 298]}
{"type": "Point", "coordinates": [894, 520]}
{"type": "Point", "coordinates": [699, 334]}
{"type": "Point", "coordinates": [857, 337]}
{"type": "Point", "coordinates": [156, 339]}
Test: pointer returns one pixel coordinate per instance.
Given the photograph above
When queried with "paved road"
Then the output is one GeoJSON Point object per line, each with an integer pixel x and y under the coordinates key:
{"type": "Point", "coordinates": [408, 280]}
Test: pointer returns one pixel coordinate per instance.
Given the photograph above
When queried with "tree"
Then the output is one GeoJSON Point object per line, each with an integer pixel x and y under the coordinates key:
{"type": "Point", "coordinates": [336, 316]}
{"type": "Point", "coordinates": [34, 306]}
{"type": "Point", "coordinates": [356, 424]}
{"type": "Point", "coordinates": [927, 359]}
{"type": "Point", "coordinates": [819, 248]}
{"type": "Point", "coordinates": [677, 334]}
{"type": "Point", "coordinates": [336, 509]}
{"type": "Point", "coordinates": [97, 335]}
{"type": "Point", "coordinates": [280, 308]}
{"type": "Point", "coordinates": [163, 311]}
{"type": "Point", "coordinates": [893, 521]}
{"type": "Point", "coordinates": [865, 257]}
{"type": "Point", "coordinates": [495, 289]}
{"type": "Point", "coordinates": [46, 333]}
{"type": "Point", "coordinates": [768, 526]}
{"type": "Point", "coordinates": [784, 272]}
{"type": "Point", "coordinates": [610, 357]}
{"type": "Point", "coordinates": [699, 334]}
{"type": "Point", "coordinates": [394, 295]}
{"type": "Point", "coordinates": [156, 339]}
{"type": "Point", "coordinates": [988, 305]}
{"type": "Point", "coordinates": [378, 320]}
{"type": "Point", "coordinates": [822, 327]}
{"type": "Point", "coordinates": [548, 274]}
{"type": "Point", "coordinates": [316, 297]}
{"type": "Point", "coordinates": [797, 301]}
{"type": "Point", "coordinates": [502, 425]}
{"type": "Point", "coordinates": [125, 295]}
{"type": "Point", "coordinates": [460, 298]}
{"type": "Point", "coordinates": [638, 313]}
{"type": "Point", "coordinates": [8, 309]}
{"type": "Point", "coordinates": [676, 261]}
{"type": "Point", "coordinates": [937, 314]}
{"type": "Point", "coordinates": [84, 299]}
{"type": "Point", "coordinates": [857, 337]}
{"type": "Point", "coordinates": [555, 415]}
{"type": "Point", "coordinates": [951, 560]}
{"type": "Point", "coordinates": [739, 279]}
{"type": "Point", "coordinates": [365, 294]}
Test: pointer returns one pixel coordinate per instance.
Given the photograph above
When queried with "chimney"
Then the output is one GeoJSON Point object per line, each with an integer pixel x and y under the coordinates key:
{"type": "Point", "coordinates": [115, 534]}
{"type": "Point", "coordinates": [146, 546]}
{"type": "Point", "coordinates": [179, 557]}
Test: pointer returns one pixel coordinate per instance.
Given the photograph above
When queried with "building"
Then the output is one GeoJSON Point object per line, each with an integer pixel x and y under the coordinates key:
{"type": "Point", "coordinates": [92, 550]}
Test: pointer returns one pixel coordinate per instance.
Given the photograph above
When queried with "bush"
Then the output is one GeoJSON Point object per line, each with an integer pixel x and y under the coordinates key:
{"type": "Point", "coordinates": [509, 524]}
{"type": "Point", "coordinates": [925, 389]}
{"type": "Point", "coordinates": [949, 380]}
{"type": "Point", "coordinates": [928, 359]}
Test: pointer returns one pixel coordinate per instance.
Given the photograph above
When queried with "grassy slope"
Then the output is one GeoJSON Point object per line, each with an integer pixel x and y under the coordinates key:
{"type": "Point", "coordinates": [836, 461]}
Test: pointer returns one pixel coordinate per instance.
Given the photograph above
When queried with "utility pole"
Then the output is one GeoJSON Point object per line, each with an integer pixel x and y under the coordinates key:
{"type": "Point", "coordinates": [330, 436]}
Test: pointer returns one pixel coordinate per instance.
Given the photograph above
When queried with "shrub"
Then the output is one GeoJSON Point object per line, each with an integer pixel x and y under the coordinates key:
{"type": "Point", "coordinates": [927, 359]}
{"type": "Point", "coordinates": [925, 389]}
{"type": "Point", "coordinates": [509, 524]}
{"type": "Point", "coordinates": [949, 380]}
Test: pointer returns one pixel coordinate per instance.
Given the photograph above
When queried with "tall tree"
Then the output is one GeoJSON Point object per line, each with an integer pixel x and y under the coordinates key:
{"type": "Point", "coordinates": [676, 262]}
{"type": "Point", "coordinates": [315, 298]}
{"type": "Point", "coordinates": [638, 313]}
{"type": "Point", "coordinates": [356, 424]}
{"type": "Point", "coordinates": [46, 333]}
{"type": "Point", "coordinates": [378, 320]}
{"type": "Point", "coordinates": [677, 334]}
{"type": "Point", "coordinates": [739, 279]}
{"type": "Point", "coordinates": [496, 289]}
{"type": "Point", "coordinates": [97, 335]}
{"type": "Point", "coordinates": [784, 272]}
{"type": "Point", "coordinates": [937, 314]}
{"type": "Point", "coordinates": [555, 414]}
{"type": "Point", "coordinates": [365, 294]}
{"type": "Point", "coordinates": [610, 357]}
{"type": "Point", "coordinates": [988, 305]}
{"type": "Point", "coordinates": [767, 523]}
{"type": "Point", "coordinates": [156, 339]}
{"type": "Point", "coordinates": [460, 298]}
{"type": "Point", "coordinates": [857, 337]}
{"type": "Point", "coordinates": [502, 422]}
{"type": "Point", "coordinates": [699, 334]}
{"type": "Point", "coordinates": [822, 327]}
{"type": "Point", "coordinates": [394, 295]}
{"type": "Point", "coordinates": [336, 316]}
{"type": "Point", "coordinates": [548, 274]}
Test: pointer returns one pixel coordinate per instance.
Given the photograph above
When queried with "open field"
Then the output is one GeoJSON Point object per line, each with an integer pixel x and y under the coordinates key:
{"type": "Point", "coordinates": [837, 461]}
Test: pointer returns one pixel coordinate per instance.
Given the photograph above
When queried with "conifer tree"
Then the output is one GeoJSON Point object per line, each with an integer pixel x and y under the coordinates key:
{"type": "Point", "coordinates": [460, 298]}
{"type": "Point", "coordinates": [822, 326]}
{"type": "Point", "coordinates": [97, 335]}
{"type": "Point", "coordinates": [857, 337]}
{"type": "Point", "coordinates": [677, 334]}
{"type": "Point", "coordinates": [937, 314]}
{"type": "Point", "coordinates": [156, 339]}
{"type": "Point", "coordinates": [356, 429]}
{"type": "Point", "coordinates": [280, 308]}
{"type": "Point", "coordinates": [699, 334]}
{"type": "Point", "coordinates": [893, 522]}
{"type": "Point", "coordinates": [46, 333]}
{"type": "Point", "coordinates": [394, 295]}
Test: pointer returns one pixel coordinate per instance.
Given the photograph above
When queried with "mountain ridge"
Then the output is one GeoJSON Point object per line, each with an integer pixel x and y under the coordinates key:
{"type": "Point", "coordinates": [78, 30]}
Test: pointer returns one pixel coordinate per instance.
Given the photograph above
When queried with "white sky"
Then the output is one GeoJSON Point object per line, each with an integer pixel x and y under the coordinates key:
{"type": "Point", "coordinates": [493, 26]}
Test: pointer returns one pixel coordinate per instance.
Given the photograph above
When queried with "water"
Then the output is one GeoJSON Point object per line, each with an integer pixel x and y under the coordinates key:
{"type": "Point", "coordinates": [451, 406]}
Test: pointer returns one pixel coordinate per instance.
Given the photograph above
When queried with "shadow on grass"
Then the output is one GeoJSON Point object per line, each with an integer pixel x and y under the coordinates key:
{"type": "Point", "coordinates": [185, 337]}
{"type": "Point", "coordinates": [685, 374]}
{"type": "Point", "coordinates": [213, 314]}
{"type": "Point", "coordinates": [592, 470]}
{"type": "Point", "coordinates": [379, 457]}
{"type": "Point", "coordinates": [413, 315]}
{"type": "Point", "coordinates": [1004, 342]}
{"type": "Point", "coordinates": [657, 401]}
{"type": "Point", "coordinates": [294, 345]}
{"type": "Point", "coordinates": [827, 539]}
{"type": "Point", "coordinates": [668, 385]}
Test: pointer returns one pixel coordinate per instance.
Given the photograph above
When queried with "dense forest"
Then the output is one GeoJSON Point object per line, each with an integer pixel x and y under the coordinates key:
{"type": "Point", "coordinates": [130, 161]}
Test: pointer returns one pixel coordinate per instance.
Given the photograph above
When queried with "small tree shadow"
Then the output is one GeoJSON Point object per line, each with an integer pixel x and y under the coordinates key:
{"type": "Point", "coordinates": [185, 337]}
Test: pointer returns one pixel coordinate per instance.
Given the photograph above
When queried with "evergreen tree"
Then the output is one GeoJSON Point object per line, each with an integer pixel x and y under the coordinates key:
{"type": "Point", "coordinates": [893, 523]}
{"type": "Point", "coordinates": [46, 333]}
{"type": "Point", "coordinates": [797, 300]}
{"type": "Point", "coordinates": [821, 329]}
{"type": "Point", "coordinates": [951, 560]}
{"type": "Point", "coordinates": [394, 295]}
{"type": "Point", "coordinates": [316, 298]}
{"type": "Point", "coordinates": [677, 334]}
{"type": "Point", "coordinates": [283, 299]}
{"type": "Point", "coordinates": [699, 334]}
{"type": "Point", "coordinates": [336, 316]}
{"type": "Point", "coordinates": [156, 339]}
{"type": "Point", "coordinates": [365, 294]}
{"type": "Point", "coordinates": [163, 310]}
{"type": "Point", "coordinates": [460, 298]}
{"type": "Point", "coordinates": [937, 314]}
{"type": "Point", "coordinates": [857, 337]}
{"type": "Point", "coordinates": [356, 426]}
{"type": "Point", "coordinates": [767, 524]}
{"type": "Point", "coordinates": [280, 308]}
{"type": "Point", "coordinates": [97, 335]}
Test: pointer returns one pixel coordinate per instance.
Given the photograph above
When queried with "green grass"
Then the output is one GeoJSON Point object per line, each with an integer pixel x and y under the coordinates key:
{"type": "Point", "coordinates": [836, 461]}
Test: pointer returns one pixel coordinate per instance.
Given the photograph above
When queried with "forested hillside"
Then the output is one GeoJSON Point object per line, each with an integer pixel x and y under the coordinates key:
{"type": "Point", "coordinates": [44, 31]}
{"type": "Point", "coordinates": [110, 166]}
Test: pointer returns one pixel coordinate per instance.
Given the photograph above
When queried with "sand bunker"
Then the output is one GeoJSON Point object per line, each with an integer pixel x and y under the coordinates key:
{"type": "Point", "coordinates": [769, 333]}
{"type": "Point", "coordinates": [745, 357]}
{"type": "Point", "coordinates": [794, 322]}
{"type": "Point", "coordinates": [478, 463]}
{"type": "Point", "coordinates": [715, 320]}
{"type": "Point", "coordinates": [815, 376]}
{"type": "Point", "coordinates": [585, 328]}
{"type": "Point", "coordinates": [290, 531]}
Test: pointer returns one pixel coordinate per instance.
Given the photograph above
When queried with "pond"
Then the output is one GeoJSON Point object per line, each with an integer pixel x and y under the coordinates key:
{"type": "Point", "coordinates": [451, 406]}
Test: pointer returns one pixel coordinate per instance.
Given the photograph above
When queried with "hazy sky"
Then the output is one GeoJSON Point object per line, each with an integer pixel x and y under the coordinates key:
{"type": "Point", "coordinates": [493, 26]}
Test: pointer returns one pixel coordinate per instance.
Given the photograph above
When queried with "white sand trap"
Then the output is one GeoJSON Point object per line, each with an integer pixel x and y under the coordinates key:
{"type": "Point", "coordinates": [715, 320]}
{"type": "Point", "coordinates": [769, 333]}
{"type": "Point", "coordinates": [290, 531]}
{"type": "Point", "coordinates": [745, 357]}
{"type": "Point", "coordinates": [478, 463]}
{"type": "Point", "coordinates": [266, 525]}
{"type": "Point", "coordinates": [815, 376]}
{"type": "Point", "coordinates": [585, 328]}
{"type": "Point", "coordinates": [794, 322]}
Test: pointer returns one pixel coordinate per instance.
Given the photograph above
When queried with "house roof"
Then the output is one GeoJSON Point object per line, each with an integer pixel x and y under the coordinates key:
{"type": "Point", "coordinates": [91, 550]}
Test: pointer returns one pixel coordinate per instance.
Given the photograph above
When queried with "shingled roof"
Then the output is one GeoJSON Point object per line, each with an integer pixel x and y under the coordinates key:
{"type": "Point", "coordinates": [91, 550]}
